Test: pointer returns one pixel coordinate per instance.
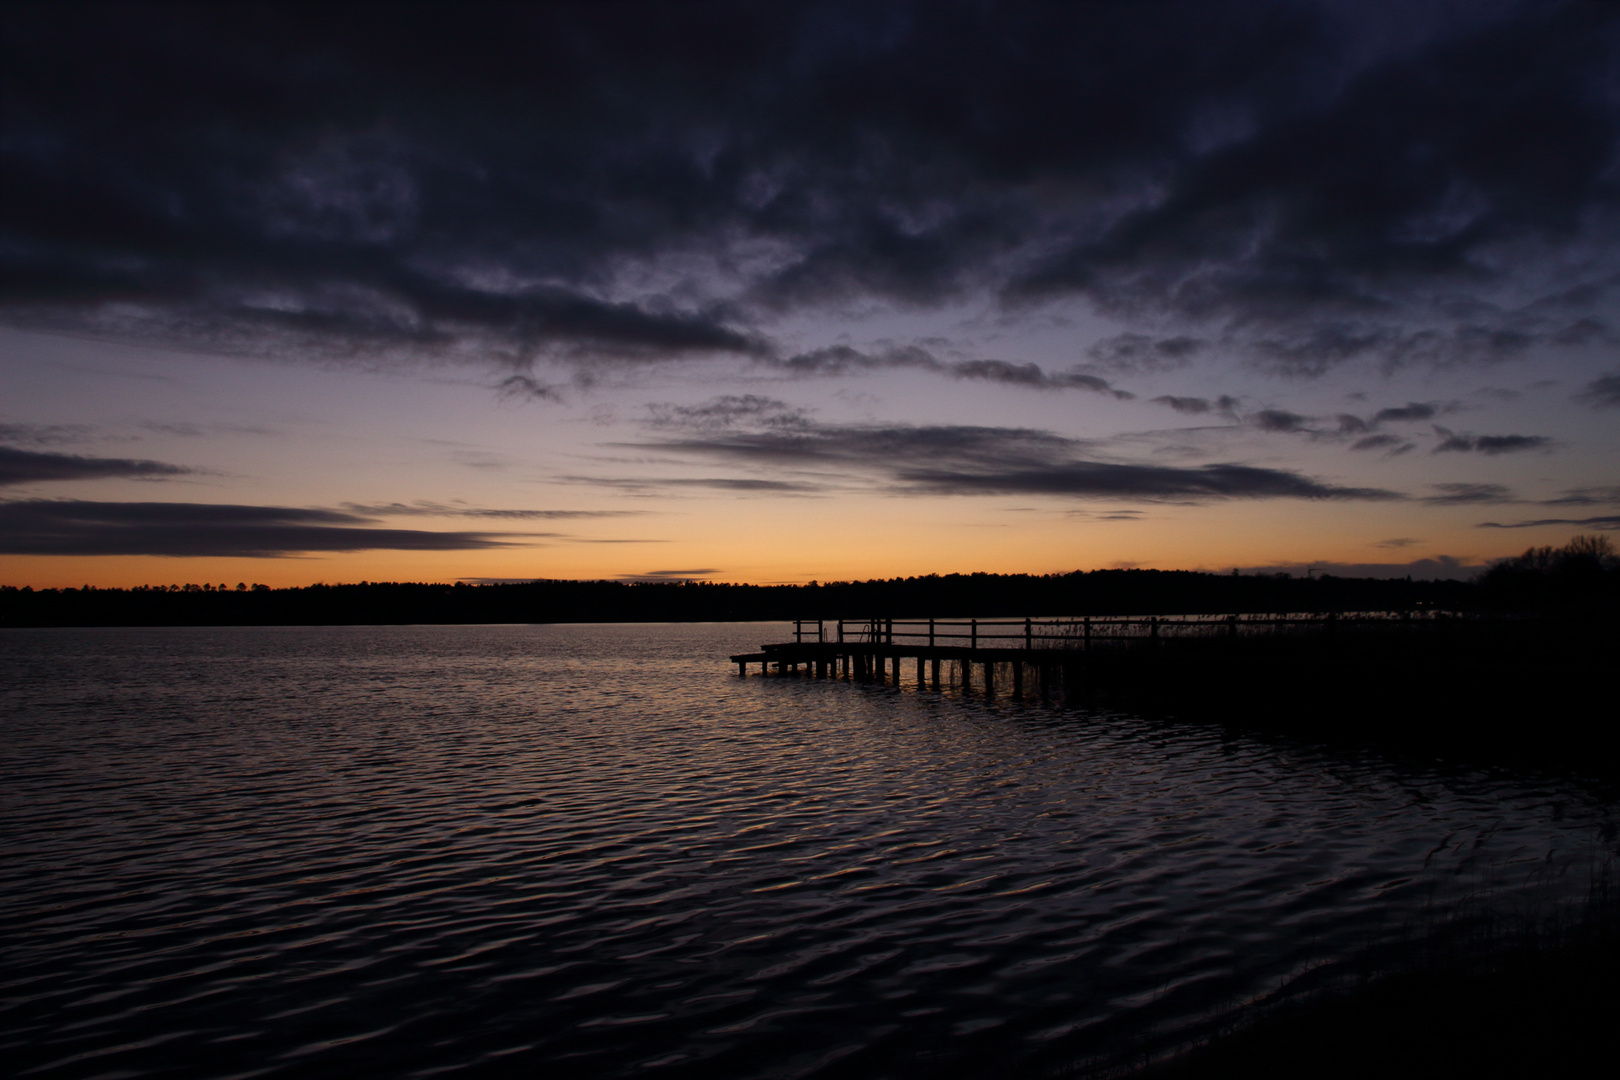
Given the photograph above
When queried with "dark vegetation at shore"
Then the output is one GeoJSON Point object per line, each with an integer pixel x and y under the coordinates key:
{"type": "Point", "coordinates": [1581, 577]}
{"type": "Point", "coordinates": [1482, 996]}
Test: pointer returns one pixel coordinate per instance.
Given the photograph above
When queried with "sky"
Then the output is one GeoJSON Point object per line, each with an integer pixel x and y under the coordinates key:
{"type": "Point", "coordinates": [791, 292]}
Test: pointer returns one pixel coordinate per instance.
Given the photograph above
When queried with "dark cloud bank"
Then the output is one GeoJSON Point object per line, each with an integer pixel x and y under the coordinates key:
{"type": "Point", "coordinates": [1306, 181]}
{"type": "Point", "coordinates": [75, 527]}
{"type": "Point", "coordinates": [31, 466]}
{"type": "Point", "coordinates": [762, 433]}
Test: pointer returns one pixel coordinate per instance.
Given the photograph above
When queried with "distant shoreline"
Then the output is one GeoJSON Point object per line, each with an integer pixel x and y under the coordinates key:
{"type": "Point", "coordinates": [1099, 592]}
{"type": "Point", "coordinates": [1582, 577]}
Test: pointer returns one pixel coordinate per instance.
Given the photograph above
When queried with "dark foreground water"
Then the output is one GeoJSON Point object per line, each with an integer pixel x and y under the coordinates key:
{"type": "Point", "coordinates": [565, 851]}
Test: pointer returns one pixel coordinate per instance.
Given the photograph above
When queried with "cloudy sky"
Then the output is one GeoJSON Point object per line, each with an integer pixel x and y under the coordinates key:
{"type": "Point", "coordinates": [774, 292]}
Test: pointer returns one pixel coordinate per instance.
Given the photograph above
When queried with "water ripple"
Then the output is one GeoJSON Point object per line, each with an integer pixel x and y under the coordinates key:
{"type": "Point", "coordinates": [592, 851]}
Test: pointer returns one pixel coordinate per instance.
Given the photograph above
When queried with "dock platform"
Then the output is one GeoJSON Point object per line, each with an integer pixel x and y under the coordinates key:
{"type": "Point", "coordinates": [1050, 652]}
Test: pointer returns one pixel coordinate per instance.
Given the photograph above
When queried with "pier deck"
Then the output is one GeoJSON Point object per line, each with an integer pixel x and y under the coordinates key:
{"type": "Point", "coordinates": [1070, 650]}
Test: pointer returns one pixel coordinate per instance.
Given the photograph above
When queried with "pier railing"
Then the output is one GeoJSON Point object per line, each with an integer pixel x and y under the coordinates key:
{"type": "Point", "coordinates": [1081, 632]}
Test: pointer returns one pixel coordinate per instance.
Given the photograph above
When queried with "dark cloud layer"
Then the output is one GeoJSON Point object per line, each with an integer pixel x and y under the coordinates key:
{"type": "Point", "coordinates": [1312, 181]}
{"type": "Point", "coordinates": [32, 466]}
{"type": "Point", "coordinates": [845, 359]}
{"type": "Point", "coordinates": [960, 459]}
{"type": "Point", "coordinates": [71, 527]}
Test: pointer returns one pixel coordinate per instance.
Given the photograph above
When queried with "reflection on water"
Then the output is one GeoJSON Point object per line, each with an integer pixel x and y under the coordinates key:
{"type": "Point", "coordinates": [593, 851]}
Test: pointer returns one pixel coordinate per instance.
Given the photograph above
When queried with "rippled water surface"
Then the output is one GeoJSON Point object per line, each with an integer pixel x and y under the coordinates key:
{"type": "Point", "coordinates": [594, 851]}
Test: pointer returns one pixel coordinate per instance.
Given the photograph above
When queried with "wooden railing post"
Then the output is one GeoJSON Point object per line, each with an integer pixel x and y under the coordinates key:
{"type": "Point", "coordinates": [930, 633]}
{"type": "Point", "coordinates": [973, 636]}
{"type": "Point", "coordinates": [1088, 634]}
{"type": "Point", "coordinates": [1029, 640]}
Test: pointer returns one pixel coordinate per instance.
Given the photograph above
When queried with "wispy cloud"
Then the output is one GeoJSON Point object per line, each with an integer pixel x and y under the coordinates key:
{"type": "Point", "coordinates": [1454, 442]}
{"type": "Point", "coordinates": [422, 508]}
{"type": "Point", "coordinates": [1603, 392]}
{"type": "Point", "coordinates": [1457, 494]}
{"type": "Point", "coordinates": [1605, 522]}
{"type": "Point", "coordinates": [846, 359]}
{"type": "Point", "coordinates": [671, 575]}
{"type": "Point", "coordinates": [44, 434]}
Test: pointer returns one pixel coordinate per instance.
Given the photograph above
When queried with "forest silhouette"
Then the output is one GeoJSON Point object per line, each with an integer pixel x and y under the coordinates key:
{"type": "Point", "coordinates": [1581, 577]}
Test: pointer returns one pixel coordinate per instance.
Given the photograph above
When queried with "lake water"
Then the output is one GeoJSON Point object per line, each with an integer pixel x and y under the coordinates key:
{"type": "Point", "coordinates": [594, 851]}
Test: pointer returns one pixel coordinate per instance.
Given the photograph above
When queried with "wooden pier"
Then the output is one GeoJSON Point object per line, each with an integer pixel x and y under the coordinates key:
{"type": "Point", "coordinates": [1050, 654]}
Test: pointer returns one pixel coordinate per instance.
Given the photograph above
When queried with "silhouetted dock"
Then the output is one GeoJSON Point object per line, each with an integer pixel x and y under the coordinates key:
{"type": "Point", "coordinates": [1067, 653]}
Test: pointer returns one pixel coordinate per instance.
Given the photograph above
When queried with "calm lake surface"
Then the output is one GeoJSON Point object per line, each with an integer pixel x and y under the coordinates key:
{"type": "Point", "coordinates": [593, 851]}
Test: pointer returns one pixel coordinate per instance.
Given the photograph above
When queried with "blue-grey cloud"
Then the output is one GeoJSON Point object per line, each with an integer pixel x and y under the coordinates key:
{"type": "Point", "coordinates": [74, 527]}
{"type": "Point", "coordinates": [33, 466]}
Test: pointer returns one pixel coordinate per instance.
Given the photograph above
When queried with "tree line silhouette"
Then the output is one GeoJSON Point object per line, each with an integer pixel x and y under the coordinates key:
{"type": "Point", "coordinates": [1582, 576]}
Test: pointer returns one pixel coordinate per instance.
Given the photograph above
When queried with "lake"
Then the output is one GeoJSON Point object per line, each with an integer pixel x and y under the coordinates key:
{"type": "Point", "coordinates": [592, 850]}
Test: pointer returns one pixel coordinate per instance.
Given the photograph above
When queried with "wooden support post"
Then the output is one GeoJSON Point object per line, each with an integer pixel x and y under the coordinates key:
{"type": "Point", "coordinates": [742, 668]}
{"type": "Point", "coordinates": [936, 672]}
{"type": "Point", "coordinates": [1018, 678]}
{"type": "Point", "coordinates": [967, 675]}
{"type": "Point", "coordinates": [989, 678]}
{"type": "Point", "coordinates": [920, 681]}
